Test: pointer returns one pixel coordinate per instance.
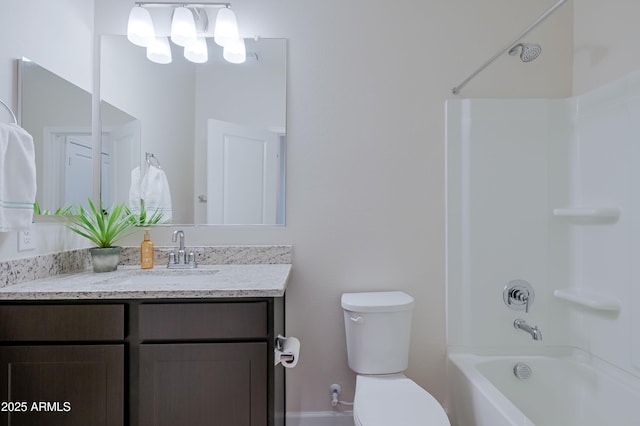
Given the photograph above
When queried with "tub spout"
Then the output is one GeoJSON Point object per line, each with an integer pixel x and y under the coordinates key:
{"type": "Point", "coordinates": [533, 331]}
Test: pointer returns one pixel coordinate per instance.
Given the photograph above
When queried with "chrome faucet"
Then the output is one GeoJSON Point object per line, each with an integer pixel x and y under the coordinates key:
{"type": "Point", "coordinates": [181, 260]}
{"type": "Point", "coordinates": [181, 251]}
{"type": "Point", "coordinates": [534, 331]}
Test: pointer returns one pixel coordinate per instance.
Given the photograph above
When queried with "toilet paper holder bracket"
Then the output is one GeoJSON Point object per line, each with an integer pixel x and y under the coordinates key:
{"type": "Point", "coordinates": [289, 357]}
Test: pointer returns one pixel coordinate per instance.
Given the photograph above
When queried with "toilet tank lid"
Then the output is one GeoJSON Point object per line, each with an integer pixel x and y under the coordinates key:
{"type": "Point", "coordinates": [379, 301]}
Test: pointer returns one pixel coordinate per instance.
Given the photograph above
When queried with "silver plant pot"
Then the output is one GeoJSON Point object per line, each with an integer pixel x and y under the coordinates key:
{"type": "Point", "coordinates": [105, 259]}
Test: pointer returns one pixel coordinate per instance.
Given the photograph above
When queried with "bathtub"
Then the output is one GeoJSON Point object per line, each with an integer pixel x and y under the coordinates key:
{"type": "Point", "coordinates": [567, 388]}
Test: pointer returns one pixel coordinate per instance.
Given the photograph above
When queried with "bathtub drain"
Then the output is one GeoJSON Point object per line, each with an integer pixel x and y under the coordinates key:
{"type": "Point", "coordinates": [522, 371]}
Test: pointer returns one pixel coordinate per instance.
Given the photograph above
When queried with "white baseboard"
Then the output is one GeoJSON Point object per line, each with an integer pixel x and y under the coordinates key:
{"type": "Point", "coordinates": [319, 418]}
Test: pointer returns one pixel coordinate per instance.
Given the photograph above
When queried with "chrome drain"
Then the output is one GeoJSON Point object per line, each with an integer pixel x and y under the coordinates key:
{"type": "Point", "coordinates": [522, 371]}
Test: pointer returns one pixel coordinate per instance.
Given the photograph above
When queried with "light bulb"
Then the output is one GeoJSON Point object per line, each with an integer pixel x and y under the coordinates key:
{"type": "Point", "coordinates": [226, 30]}
{"type": "Point", "coordinates": [235, 52]}
{"type": "Point", "coordinates": [196, 50]}
{"type": "Point", "coordinates": [140, 27]}
{"type": "Point", "coordinates": [159, 51]}
{"type": "Point", "coordinates": [183, 26]}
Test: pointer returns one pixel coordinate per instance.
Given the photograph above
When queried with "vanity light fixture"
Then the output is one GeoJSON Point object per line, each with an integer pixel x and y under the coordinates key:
{"type": "Point", "coordinates": [159, 51]}
{"type": "Point", "coordinates": [226, 30]}
{"type": "Point", "coordinates": [235, 52]}
{"type": "Point", "coordinates": [140, 27]}
{"type": "Point", "coordinates": [183, 26]}
{"type": "Point", "coordinates": [196, 50]}
{"type": "Point", "coordinates": [189, 27]}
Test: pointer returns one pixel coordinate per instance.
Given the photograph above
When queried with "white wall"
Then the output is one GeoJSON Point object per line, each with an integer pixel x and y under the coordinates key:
{"type": "Point", "coordinates": [28, 30]}
{"type": "Point", "coordinates": [365, 126]}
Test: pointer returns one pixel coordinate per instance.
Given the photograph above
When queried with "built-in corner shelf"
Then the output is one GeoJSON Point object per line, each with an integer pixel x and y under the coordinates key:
{"type": "Point", "coordinates": [589, 299]}
{"type": "Point", "coordinates": [589, 214]}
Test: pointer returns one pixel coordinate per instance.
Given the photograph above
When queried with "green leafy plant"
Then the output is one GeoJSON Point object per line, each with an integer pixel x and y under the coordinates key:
{"type": "Point", "coordinates": [59, 211]}
{"type": "Point", "coordinates": [101, 227]}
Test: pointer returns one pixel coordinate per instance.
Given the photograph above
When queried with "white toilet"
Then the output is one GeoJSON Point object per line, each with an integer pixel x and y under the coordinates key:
{"type": "Point", "coordinates": [378, 328]}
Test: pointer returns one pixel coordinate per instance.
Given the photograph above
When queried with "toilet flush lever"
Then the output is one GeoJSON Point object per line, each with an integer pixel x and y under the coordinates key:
{"type": "Point", "coordinates": [356, 319]}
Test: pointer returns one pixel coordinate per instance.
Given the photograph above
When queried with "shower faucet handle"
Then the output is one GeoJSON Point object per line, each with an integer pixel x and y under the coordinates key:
{"type": "Point", "coordinates": [518, 295]}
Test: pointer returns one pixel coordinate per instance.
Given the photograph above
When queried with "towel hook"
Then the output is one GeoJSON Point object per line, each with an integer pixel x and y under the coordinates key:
{"type": "Point", "coordinates": [151, 158]}
{"type": "Point", "coordinates": [15, 120]}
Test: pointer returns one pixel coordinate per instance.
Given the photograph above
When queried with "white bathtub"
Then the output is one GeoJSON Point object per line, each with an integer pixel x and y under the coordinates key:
{"type": "Point", "coordinates": [566, 389]}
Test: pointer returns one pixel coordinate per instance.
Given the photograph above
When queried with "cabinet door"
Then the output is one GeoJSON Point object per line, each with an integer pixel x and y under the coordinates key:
{"type": "Point", "coordinates": [203, 384]}
{"type": "Point", "coordinates": [62, 385]}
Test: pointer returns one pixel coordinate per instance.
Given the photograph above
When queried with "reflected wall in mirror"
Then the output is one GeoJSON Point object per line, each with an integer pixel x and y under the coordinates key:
{"type": "Point", "coordinates": [216, 130]}
{"type": "Point", "coordinates": [57, 113]}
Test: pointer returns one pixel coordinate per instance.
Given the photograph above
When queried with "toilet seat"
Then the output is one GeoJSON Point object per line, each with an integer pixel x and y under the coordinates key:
{"type": "Point", "coordinates": [395, 400]}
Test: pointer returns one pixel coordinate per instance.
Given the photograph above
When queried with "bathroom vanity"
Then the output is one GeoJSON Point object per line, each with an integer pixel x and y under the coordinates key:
{"type": "Point", "coordinates": [130, 348]}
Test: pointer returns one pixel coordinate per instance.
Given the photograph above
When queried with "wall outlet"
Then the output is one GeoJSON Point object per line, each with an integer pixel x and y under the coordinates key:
{"type": "Point", "coordinates": [27, 238]}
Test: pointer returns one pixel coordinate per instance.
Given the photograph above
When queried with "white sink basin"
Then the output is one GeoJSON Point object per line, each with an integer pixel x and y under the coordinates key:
{"type": "Point", "coordinates": [160, 277]}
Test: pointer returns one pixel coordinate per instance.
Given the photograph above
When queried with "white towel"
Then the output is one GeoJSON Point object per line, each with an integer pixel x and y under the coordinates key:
{"type": "Point", "coordinates": [17, 178]}
{"type": "Point", "coordinates": [154, 190]}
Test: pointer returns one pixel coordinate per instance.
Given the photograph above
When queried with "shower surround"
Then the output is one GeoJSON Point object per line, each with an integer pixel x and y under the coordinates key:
{"type": "Point", "coordinates": [546, 191]}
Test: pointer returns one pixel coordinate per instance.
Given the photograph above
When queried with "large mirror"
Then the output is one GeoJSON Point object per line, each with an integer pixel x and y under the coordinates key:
{"type": "Point", "coordinates": [213, 138]}
{"type": "Point", "coordinates": [57, 114]}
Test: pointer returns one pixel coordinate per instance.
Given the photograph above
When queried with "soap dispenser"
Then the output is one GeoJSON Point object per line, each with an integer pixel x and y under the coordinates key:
{"type": "Point", "coordinates": [146, 251]}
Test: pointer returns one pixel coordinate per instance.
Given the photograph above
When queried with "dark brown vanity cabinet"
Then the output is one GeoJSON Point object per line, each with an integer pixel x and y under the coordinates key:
{"type": "Point", "coordinates": [203, 384]}
{"type": "Point", "coordinates": [62, 365]}
{"type": "Point", "coordinates": [142, 362]}
{"type": "Point", "coordinates": [206, 363]}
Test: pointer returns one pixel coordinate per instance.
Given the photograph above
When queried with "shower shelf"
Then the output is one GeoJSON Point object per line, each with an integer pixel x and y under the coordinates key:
{"type": "Point", "coordinates": [589, 299]}
{"type": "Point", "coordinates": [589, 214]}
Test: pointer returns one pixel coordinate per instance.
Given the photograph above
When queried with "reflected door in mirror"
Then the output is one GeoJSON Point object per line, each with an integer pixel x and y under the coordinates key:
{"type": "Point", "coordinates": [244, 169]}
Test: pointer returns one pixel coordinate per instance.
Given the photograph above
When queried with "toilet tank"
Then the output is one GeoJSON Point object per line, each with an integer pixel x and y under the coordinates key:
{"type": "Point", "coordinates": [378, 329]}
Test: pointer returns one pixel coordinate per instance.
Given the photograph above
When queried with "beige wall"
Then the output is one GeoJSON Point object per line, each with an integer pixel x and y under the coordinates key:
{"type": "Point", "coordinates": [606, 37]}
{"type": "Point", "coordinates": [365, 191]}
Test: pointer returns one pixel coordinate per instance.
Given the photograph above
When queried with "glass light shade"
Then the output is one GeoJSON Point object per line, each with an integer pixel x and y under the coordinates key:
{"type": "Point", "coordinates": [183, 26]}
{"type": "Point", "coordinates": [140, 27]}
{"type": "Point", "coordinates": [226, 30]}
{"type": "Point", "coordinates": [196, 50]}
{"type": "Point", "coordinates": [235, 52]}
{"type": "Point", "coordinates": [159, 51]}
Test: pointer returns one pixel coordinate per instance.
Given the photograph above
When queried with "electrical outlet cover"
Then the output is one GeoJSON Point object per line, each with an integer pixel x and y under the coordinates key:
{"type": "Point", "coordinates": [26, 238]}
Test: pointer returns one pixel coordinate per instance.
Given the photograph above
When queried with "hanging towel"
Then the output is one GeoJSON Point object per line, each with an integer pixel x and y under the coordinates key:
{"type": "Point", "coordinates": [154, 190]}
{"type": "Point", "coordinates": [17, 178]}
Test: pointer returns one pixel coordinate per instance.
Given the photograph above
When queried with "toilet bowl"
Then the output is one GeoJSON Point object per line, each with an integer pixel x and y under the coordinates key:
{"type": "Point", "coordinates": [378, 326]}
{"type": "Point", "coordinates": [395, 400]}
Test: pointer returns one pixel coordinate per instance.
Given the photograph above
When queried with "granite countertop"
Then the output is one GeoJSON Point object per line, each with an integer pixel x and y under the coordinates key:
{"type": "Point", "coordinates": [131, 282]}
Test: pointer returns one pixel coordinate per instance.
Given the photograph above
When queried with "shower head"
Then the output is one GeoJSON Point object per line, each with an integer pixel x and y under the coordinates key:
{"type": "Point", "coordinates": [529, 51]}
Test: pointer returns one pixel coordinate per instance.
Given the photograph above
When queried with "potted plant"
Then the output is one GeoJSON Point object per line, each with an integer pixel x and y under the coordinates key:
{"type": "Point", "coordinates": [103, 229]}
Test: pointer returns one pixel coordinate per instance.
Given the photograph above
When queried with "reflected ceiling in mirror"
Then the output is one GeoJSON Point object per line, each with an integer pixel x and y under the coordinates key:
{"type": "Point", "coordinates": [216, 130]}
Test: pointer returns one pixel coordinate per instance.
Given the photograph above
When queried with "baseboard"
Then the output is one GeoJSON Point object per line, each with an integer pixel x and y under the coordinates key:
{"type": "Point", "coordinates": [319, 418]}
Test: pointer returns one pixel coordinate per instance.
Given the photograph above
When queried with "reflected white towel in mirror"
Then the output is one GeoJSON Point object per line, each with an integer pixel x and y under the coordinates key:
{"type": "Point", "coordinates": [153, 188]}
